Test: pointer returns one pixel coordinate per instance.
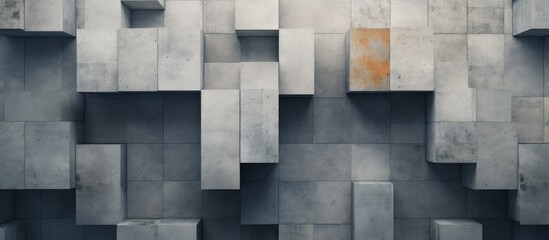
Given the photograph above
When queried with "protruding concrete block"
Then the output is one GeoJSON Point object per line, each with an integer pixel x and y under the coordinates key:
{"type": "Point", "coordinates": [138, 59]}
{"type": "Point", "coordinates": [412, 63]}
{"type": "Point", "coordinates": [145, 4]}
{"type": "Point", "coordinates": [97, 61]}
{"type": "Point", "coordinates": [296, 56]}
{"type": "Point", "coordinates": [259, 75]}
{"type": "Point", "coordinates": [373, 210]}
{"type": "Point", "coordinates": [181, 51]}
{"type": "Point", "coordinates": [51, 17]}
{"type": "Point", "coordinates": [100, 184]}
{"type": "Point", "coordinates": [530, 18]}
{"type": "Point", "coordinates": [528, 114]}
{"type": "Point", "coordinates": [259, 203]}
{"type": "Point", "coordinates": [442, 229]}
{"type": "Point", "coordinates": [368, 65]}
{"type": "Point", "coordinates": [50, 155]}
{"type": "Point", "coordinates": [256, 18]}
{"type": "Point", "coordinates": [13, 230]}
{"type": "Point", "coordinates": [165, 229]}
{"type": "Point", "coordinates": [220, 139]}
{"type": "Point", "coordinates": [12, 159]}
{"type": "Point", "coordinates": [12, 17]}
{"type": "Point", "coordinates": [451, 142]}
{"type": "Point", "coordinates": [103, 14]}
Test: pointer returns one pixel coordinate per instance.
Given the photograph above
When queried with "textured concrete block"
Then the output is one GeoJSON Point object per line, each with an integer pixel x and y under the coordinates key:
{"type": "Point", "coordinates": [144, 119]}
{"type": "Point", "coordinates": [411, 229]}
{"type": "Point", "coordinates": [458, 105]}
{"type": "Point", "coordinates": [527, 113]}
{"type": "Point", "coordinates": [448, 16]}
{"type": "Point", "coordinates": [313, 162]}
{"type": "Point", "coordinates": [330, 65]}
{"type": "Point", "coordinates": [408, 162]}
{"type": "Point", "coordinates": [407, 132]}
{"type": "Point", "coordinates": [12, 160]}
{"type": "Point", "coordinates": [137, 229]}
{"type": "Point", "coordinates": [409, 13]}
{"type": "Point", "coordinates": [370, 119]}
{"type": "Point", "coordinates": [486, 60]}
{"type": "Point", "coordinates": [371, 14]}
{"type": "Point", "coordinates": [13, 230]}
{"type": "Point", "coordinates": [100, 184]}
{"type": "Point", "coordinates": [411, 60]}
{"type": "Point", "coordinates": [296, 56]}
{"type": "Point", "coordinates": [296, 120]}
{"type": "Point", "coordinates": [370, 162]}
{"type": "Point", "coordinates": [529, 18]}
{"type": "Point", "coordinates": [50, 155]}
{"type": "Point", "coordinates": [259, 203]}
{"type": "Point", "coordinates": [147, 19]}
{"type": "Point", "coordinates": [12, 19]}
{"type": "Point", "coordinates": [312, 14]}
{"type": "Point", "coordinates": [485, 20]}
{"type": "Point", "coordinates": [169, 229]}
{"type": "Point", "coordinates": [265, 232]}
{"type": "Point", "coordinates": [145, 199]}
{"type": "Point", "coordinates": [182, 162]}
{"type": "Point", "coordinates": [103, 14]}
{"type": "Point", "coordinates": [259, 75]}
{"type": "Point", "coordinates": [43, 64]}
{"type": "Point", "coordinates": [368, 65]}
{"type": "Point", "coordinates": [33, 106]}
{"type": "Point", "coordinates": [138, 59]}
{"type": "Point", "coordinates": [182, 200]}
{"type": "Point", "coordinates": [97, 61]}
{"type": "Point", "coordinates": [330, 120]}
{"type": "Point", "coordinates": [259, 126]}
{"type": "Point", "coordinates": [224, 48]}
{"type": "Point", "coordinates": [295, 232]}
{"type": "Point", "coordinates": [527, 79]}
{"type": "Point", "coordinates": [221, 76]}
{"type": "Point", "coordinates": [219, 17]}
{"type": "Point", "coordinates": [496, 158]}
{"type": "Point", "coordinates": [50, 17]}
{"type": "Point", "coordinates": [145, 161]}
{"type": "Point", "coordinates": [145, 4]}
{"type": "Point", "coordinates": [182, 126]}
{"type": "Point", "coordinates": [220, 139]}
{"type": "Point", "coordinates": [442, 229]}
{"type": "Point", "coordinates": [256, 18]}
{"type": "Point", "coordinates": [434, 199]}
{"type": "Point", "coordinates": [493, 105]}
{"type": "Point", "coordinates": [372, 210]}
{"type": "Point", "coordinates": [181, 52]}
{"type": "Point", "coordinates": [451, 143]}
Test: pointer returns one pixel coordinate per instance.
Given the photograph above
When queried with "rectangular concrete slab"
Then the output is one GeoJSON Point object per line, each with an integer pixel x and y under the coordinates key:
{"type": "Point", "coordinates": [169, 229]}
{"type": "Point", "coordinates": [137, 229]}
{"type": "Point", "coordinates": [296, 56]}
{"type": "Point", "coordinates": [220, 139]}
{"type": "Point", "coordinates": [51, 17]}
{"type": "Point", "coordinates": [372, 210]}
{"type": "Point", "coordinates": [529, 18]}
{"type": "Point", "coordinates": [137, 59]}
{"type": "Point", "coordinates": [256, 17]}
{"type": "Point", "coordinates": [100, 184]}
{"type": "Point", "coordinates": [145, 4]}
{"type": "Point", "coordinates": [12, 160]}
{"type": "Point", "coordinates": [448, 16]}
{"type": "Point", "coordinates": [259, 75]}
{"type": "Point", "coordinates": [451, 143]}
{"type": "Point", "coordinates": [97, 60]}
{"type": "Point", "coordinates": [448, 229]}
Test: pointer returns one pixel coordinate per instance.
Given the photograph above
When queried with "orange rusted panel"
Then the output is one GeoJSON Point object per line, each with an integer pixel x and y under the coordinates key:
{"type": "Point", "coordinates": [368, 66]}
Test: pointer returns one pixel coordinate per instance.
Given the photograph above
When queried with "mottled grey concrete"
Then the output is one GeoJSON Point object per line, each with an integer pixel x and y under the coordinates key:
{"type": "Point", "coordinates": [370, 162]}
{"type": "Point", "coordinates": [169, 229]}
{"type": "Point", "coordinates": [297, 61]}
{"type": "Point", "coordinates": [138, 59]}
{"type": "Point", "coordinates": [256, 18]}
{"type": "Point", "coordinates": [451, 143]}
{"type": "Point", "coordinates": [448, 16]}
{"type": "Point", "coordinates": [372, 210]}
{"type": "Point", "coordinates": [259, 203]}
{"type": "Point", "coordinates": [97, 61]}
{"type": "Point", "coordinates": [370, 13]}
{"type": "Point", "coordinates": [528, 18]}
{"type": "Point", "coordinates": [221, 75]}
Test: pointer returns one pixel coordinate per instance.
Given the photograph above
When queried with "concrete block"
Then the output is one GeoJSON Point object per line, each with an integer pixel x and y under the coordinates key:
{"type": "Point", "coordinates": [138, 59]}
{"type": "Point", "coordinates": [448, 16]}
{"type": "Point", "coordinates": [144, 122]}
{"type": "Point", "coordinates": [486, 60]}
{"type": "Point", "coordinates": [182, 126]}
{"type": "Point", "coordinates": [7, 199]}
{"type": "Point", "coordinates": [169, 229]}
{"type": "Point", "coordinates": [458, 105]}
{"type": "Point", "coordinates": [256, 18]}
{"type": "Point", "coordinates": [221, 75]}
{"type": "Point", "coordinates": [43, 64]}
{"type": "Point", "coordinates": [370, 162]}
{"type": "Point", "coordinates": [368, 66]}
{"type": "Point", "coordinates": [145, 4]}
{"type": "Point", "coordinates": [373, 210]}
{"type": "Point", "coordinates": [137, 229]}
{"type": "Point", "coordinates": [312, 14]}
{"type": "Point", "coordinates": [408, 162]}
{"type": "Point", "coordinates": [259, 75]}
{"type": "Point", "coordinates": [410, 14]}
{"type": "Point", "coordinates": [50, 155]}
{"type": "Point", "coordinates": [296, 120]}
{"type": "Point", "coordinates": [487, 204]}
{"type": "Point", "coordinates": [455, 229]}
{"type": "Point", "coordinates": [99, 232]}
{"type": "Point", "coordinates": [59, 228]}
{"type": "Point", "coordinates": [371, 119]}
{"type": "Point", "coordinates": [101, 184]}
{"type": "Point", "coordinates": [259, 49]}
{"type": "Point", "coordinates": [219, 17]}
{"type": "Point", "coordinates": [370, 14]}
{"type": "Point", "coordinates": [182, 162]}
{"type": "Point", "coordinates": [411, 229]}
{"type": "Point", "coordinates": [450, 48]}
{"type": "Point", "coordinates": [58, 204]}
{"type": "Point", "coordinates": [496, 158]}
{"type": "Point", "coordinates": [106, 119]}
{"type": "Point", "coordinates": [406, 107]}
{"type": "Point", "coordinates": [12, 160]}
{"type": "Point", "coordinates": [103, 14]}
{"type": "Point", "coordinates": [259, 126]}
{"type": "Point", "coordinates": [407, 132]}
{"type": "Point", "coordinates": [220, 139]}
{"type": "Point", "coordinates": [314, 162]}
{"type": "Point", "coordinates": [265, 232]}
{"type": "Point", "coordinates": [182, 200]}
{"type": "Point", "coordinates": [451, 143]}
{"type": "Point", "coordinates": [12, 19]}
{"type": "Point", "coordinates": [485, 20]}
{"type": "Point", "coordinates": [259, 203]}
{"type": "Point", "coordinates": [260, 172]}
{"type": "Point", "coordinates": [529, 18]}
{"type": "Point", "coordinates": [332, 231]}
{"type": "Point", "coordinates": [527, 113]}
{"type": "Point", "coordinates": [51, 17]}
{"type": "Point", "coordinates": [97, 60]}
{"type": "Point", "coordinates": [330, 65]}
{"type": "Point", "coordinates": [147, 19]}
{"type": "Point", "coordinates": [13, 62]}
{"type": "Point", "coordinates": [224, 48]}
{"type": "Point", "coordinates": [221, 228]}
{"type": "Point", "coordinates": [297, 61]}
{"type": "Point", "coordinates": [331, 118]}
{"type": "Point", "coordinates": [33, 106]}
{"type": "Point", "coordinates": [145, 199]}
{"type": "Point", "coordinates": [181, 52]}
{"type": "Point", "coordinates": [525, 80]}
{"type": "Point", "coordinates": [493, 105]}
{"type": "Point", "coordinates": [434, 199]}
{"type": "Point", "coordinates": [145, 161]}
{"type": "Point", "coordinates": [411, 60]}
{"type": "Point", "coordinates": [295, 232]}
{"type": "Point", "coordinates": [222, 203]}
{"type": "Point", "coordinates": [13, 230]}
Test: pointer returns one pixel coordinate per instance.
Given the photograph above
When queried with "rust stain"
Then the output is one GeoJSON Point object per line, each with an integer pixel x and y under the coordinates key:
{"type": "Point", "coordinates": [369, 59]}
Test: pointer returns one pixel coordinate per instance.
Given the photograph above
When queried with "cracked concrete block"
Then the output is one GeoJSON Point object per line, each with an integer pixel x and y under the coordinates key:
{"type": "Point", "coordinates": [524, 79]}
{"type": "Point", "coordinates": [313, 14]}
{"type": "Point", "coordinates": [527, 113]}
{"type": "Point", "coordinates": [97, 60]}
{"type": "Point", "coordinates": [371, 13]}
{"type": "Point", "coordinates": [51, 17]}
{"type": "Point", "coordinates": [530, 18]}
{"type": "Point", "coordinates": [259, 203]}
{"type": "Point", "coordinates": [493, 105]}
{"type": "Point", "coordinates": [485, 20]}
{"type": "Point", "coordinates": [486, 60]}
{"type": "Point", "coordinates": [12, 19]}
{"type": "Point", "coordinates": [451, 143]}
{"type": "Point", "coordinates": [370, 162]}
{"type": "Point", "coordinates": [296, 56]}
{"type": "Point", "coordinates": [181, 47]}
{"type": "Point", "coordinates": [221, 76]}
{"type": "Point", "coordinates": [220, 139]}
{"type": "Point", "coordinates": [256, 18]}
{"type": "Point", "coordinates": [458, 105]}
{"type": "Point", "coordinates": [367, 61]}
{"type": "Point", "coordinates": [144, 4]}
{"type": "Point", "coordinates": [448, 16]}
{"type": "Point", "coordinates": [373, 210]}
{"type": "Point", "coordinates": [409, 13]}
{"type": "Point", "coordinates": [138, 59]}
{"type": "Point", "coordinates": [103, 14]}
{"type": "Point", "coordinates": [447, 229]}
{"type": "Point", "coordinates": [50, 155]}
{"type": "Point", "coordinates": [496, 166]}
{"type": "Point", "coordinates": [100, 184]}
{"type": "Point", "coordinates": [411, 60]}
{"type": "Point", "coordinates": [12, 160]}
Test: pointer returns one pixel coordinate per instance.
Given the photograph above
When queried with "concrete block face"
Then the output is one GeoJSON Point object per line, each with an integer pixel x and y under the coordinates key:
{"type": "Point", "coordinates": [296, 120]}
{"type": "Point", "coordinates": [455, 229]}
{"type": "Point", "coordinates": [411, 60]}
{"type": "Point", "coordinates": [370, 162]}
{"type": "Point", "coordinates": [50, 155]}
{"type": "Point", "coordinates": [181, 162]}
{"type": "Point", "coordinates": [408, 162]}
{"type": "Point", "coordinates": [256, 18]}
{"type": "Point", "coordinates": [311, 14]}
{"type": "Point", "coordinates": [436, 199]}
{"type": "Point", "coordinates": [221, 76]}
{"type": "Point", "coordinates": [313, 162]}
{"type": "Point", "coordinates": [373, 210]}
{"type": "Point", "coordinates": [528, 18]}
{"type": "Point", "coordinates": [219, 17]}
{"type": "Point", "coordinates": [485, 20]}
{"type": "Point", "coordinates": [51, 17]}
{"type": "Point", "coordinates": [221, 204]}
{"type": "Point", "coordinates": [267, 232]}
{"type": "Point", "coordinates": [451, 143]}
{"type": "Point", "coordinates": [448, 16]}
{"type": "Point", "coordinates": [411, 14]}
{"type": "Point", "coordinates": [330, 65]}
{"type": "Point", "coordinates": [259, 203]}
{"type": "Point", "coordinates": [43, 64]}
{"type": "Point", "coordinates": [138, 229]}
{"type": "Point", "coordinates": [145, 161]}
{"type": "Point", "coordinates": [168, 229]}
{"type": "Point", "coordinates": [179, 126]}
{"type": "Point", "coordinates": [33, 106]}
{"type": "Point", "coordinates": [525, 50]}
{"type": "Point", "coordinates": [485, 203]}
{"type": "Point", "coordinates": [297, 61]}
{"type": "Point", "coordinates": [181, 51]}
{"type": "Point", "coordinates": [103, 14]}
{"type": "Point", "coordinates": [458, 105]}
{"type": "Point", "coordinates": [295, 232]}
{"type": "Point", "coordinates": [370, 119]}
{"type": "Point", "coordinates": [259, 126]}
{"type": "Point", "coordinates": [220, 139]}
{"type": "Point", "coordinates": [329, 121]}
{"type": "Point", "coordinates": [138, 59]}
{"type": "Point", "coordinates": [368, 64]}
{"type": "Point", "coordinates": [182, 200]}
{"type": "Point", "coordinates": [486, 60]}
{"type": "Point", "coordinates": [100, 184]}
{"type": "Point", "coordinates": [259, 49]}
{"type": "Point", "coordinates": [527, 113]}
{"type": "Point", "coordinates": [12, 145]}
{"type": "Point", "coordinates": [145, 4]}
{"type": "Point", "coordinates": [222, 48]}
{"type": "Point", "coordinates": [13, 16]}
{"type": "Point", "coordinates": [145, 199]}
{"type": "Point", "coordinates": [219, 228]}
{"type": "Point", "coordinates": [496, 158]}
{"type": "Point", "coordinates": [493, 105]}
{"type": "Point", "coordinates": [259, 75]}
{"type": "Point", "coordinates": [370, 14]}
{"type": "Point", "coordinates": [97, 61]}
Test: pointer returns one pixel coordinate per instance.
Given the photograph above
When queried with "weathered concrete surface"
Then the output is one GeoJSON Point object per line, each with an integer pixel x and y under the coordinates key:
{"type": "Point", "coordinates": [259, 75]}
{"type": "Point", "coordinates": [451, 142]}
{"type": "Point", "coordinates": [103, 14]}
{"type": "Point", "coordinates": [138, 59]}
{"type": "Point", "coordinates": [12, 159]}
{"type": "Point", "coordinates": [447, 229]}
{"type": "Point", "coordinates": [530, 18]}
{"type": "Point", "coordinates": [296, 56]}
{"type": "Point", "coordinates": [373, 210]}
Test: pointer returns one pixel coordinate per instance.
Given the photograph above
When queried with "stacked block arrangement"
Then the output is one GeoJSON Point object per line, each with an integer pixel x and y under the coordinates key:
{"type": "Point", "coordinates": [273, 119]}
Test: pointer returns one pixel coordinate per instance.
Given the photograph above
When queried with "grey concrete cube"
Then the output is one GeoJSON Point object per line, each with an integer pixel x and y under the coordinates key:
{"type": "Point", "coordinates": [101, 184]}
{"type": "Point", "coordinates": [138, 59]}
{"type": "Point", "coordinates": [51, 17]}
{"type": "Point", "coordinates": [256, 18]}
{"type": "Point", "coordinates": [451, 143]}
{"type": "Point", "coordinates": [137, 229]}
{"type": "Point", "coordinates": [221, 76]}
{"type": "Point", "coordinates": [97, 61]}
{"type": "Point", "coordinates": [220, 139]}
{"type": "Point", "coordinates": [529, 18]}
{"type": "Point", "coordinates": [259, 75]}
{"type": "Point", "coordinates": [296, 56]}
{"type": "Point", "coordinates": [102, 14]}
{"type": "Point", "coordinates": [372, 210]}
{"type": "Point", "coordinates": [259, 203]}
{"type": "Point", "coordinates": [179, 229]}
{"type": "Point", "coordinates": [144, 4]}
{"type": "Point", "coordinates": [12, 160]}
{"type": "Point", "coordinates": [50, 155]}
{"type": "Point", "coordinates": [449, 229]}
